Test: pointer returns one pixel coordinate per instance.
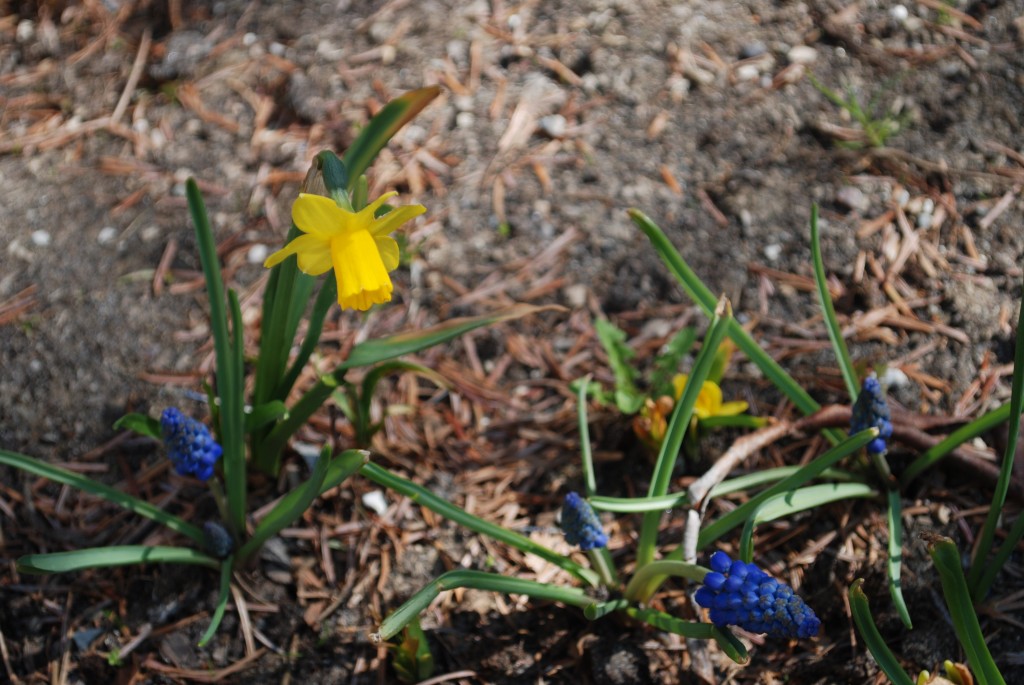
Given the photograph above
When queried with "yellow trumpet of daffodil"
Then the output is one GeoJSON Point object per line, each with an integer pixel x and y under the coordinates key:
{"type": "Point", "coordinates": [709, 401]}
{"type": "Point", "coordinates": [355, 244]}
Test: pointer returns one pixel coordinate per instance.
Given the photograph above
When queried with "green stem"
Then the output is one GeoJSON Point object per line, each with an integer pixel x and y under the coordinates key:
{"type": "Point", "coordinates": [648, 578]}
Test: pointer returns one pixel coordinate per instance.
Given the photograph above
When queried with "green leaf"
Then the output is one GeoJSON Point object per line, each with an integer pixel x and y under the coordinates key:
{"type": "Point", "coordinates": [677, 427]}
{"type": "Point", "coordinates": [894, 564]}
{"type": "Point", "coordinates": [133, 504]}
{"type": "Point", "coordinates": [806, 473]}
{"type": "Point", "coordinates": [967, 432]}
{"type": "Point", "coordinates": [876, 644]}
{"type": "Point", "coordinates": [265, 414]}
{"type": "Point", "coordinates": [327, 474]}
{"type": "Point", "coordinates": [639, 505]}
{"type": "Point", "coordinates": [425, 498]}
{"type": "Point", "coordinates": [978, 566]}
{"type": "Point", "coordinates": [413, 661]}
{"type": "Point", "coordinates": [702, 296]}
{"type": "Point", "coordinates": [478, 580]}
{"type": "Point", "coordinates": [586, 454]}
{"type": "Point", "coordinates": [946, 557]}
{"type": "Point", "coordinates": [613, 340]}
{"type": "Point", "coordinates": [222, 601]}
{"type": "Point", "coordinates": [795, 501]}
{"type": "Point", "coordinates": [756, 479]}
{"type": "Point", "coordinates": [382, 127]}
{"type": "Point", "coordinates": [102, 557]}
{"type": "Point", "coordinates": [141, 424]}
{"type": "Point", "coordinates": [727, 642]}
{"type": "Point", "coordinates": [835, 333]}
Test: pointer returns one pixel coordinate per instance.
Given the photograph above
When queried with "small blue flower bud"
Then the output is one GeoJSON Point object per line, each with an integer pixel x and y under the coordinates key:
{"type": "Point", "coordinates": [754, 601]}
{"type": "Point", "coordinates": [581, 525]}
{"type": "Point", "coordinates": [871, 411]}
{"type": "Point", "coordinates": [192, 449]}
{"type": "Point", "coordinates": [217, 540]}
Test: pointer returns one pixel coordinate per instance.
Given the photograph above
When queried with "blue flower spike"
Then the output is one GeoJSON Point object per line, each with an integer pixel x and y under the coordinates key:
{"type": "Point", "coordinates": [581, 525]}
{"type": "Point", "coordinates": [871, 411]}
{"type": "Point", "coordinates": [192, 449]}
{"type": "Point", "coordinates": [740, 594]}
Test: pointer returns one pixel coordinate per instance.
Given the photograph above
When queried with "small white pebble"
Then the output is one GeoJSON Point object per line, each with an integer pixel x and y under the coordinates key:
{"type": "Point", "coordinates": [249, 39]}
{"type": "Point", "coordinates": [772, 252]}
{"type": "Point", "coordinates": [928, 205]}
{"type": "Point", "coordinates": [924, 220]}
{"type": "Point", "coordinates": [802, 54]}
{"type": "Point", "coordinates": [150, 233]}
{"type": "Point", "coordinates": [26, 31]}
{"type": "Point", "coordinates": [41, 238]}
{"type": "Point", "coordinates": [899, 13]}
{"type": "Point", "coordinates": [893, 378]}
{"type": "Point", "coordinates": [277, 49]}
{"type": "Point", "coordinates": [257, 254]}
{"type": "Point", "coordinates": [108, 234]}
{"type": "Point", "coordinates": [553, 125]}
{"type": "Point", "coordinates": [747, 72]}
{"type": "Point", "coordinates": [464, 119]}
{"type": "Point", "coordinates": [375, 500]}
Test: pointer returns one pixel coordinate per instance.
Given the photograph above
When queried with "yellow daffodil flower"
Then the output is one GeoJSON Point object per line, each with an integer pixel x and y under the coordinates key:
{"type": "Point", "coordinates": [709, 401]}
{"type": "Point", "coordinates": [355, 244]}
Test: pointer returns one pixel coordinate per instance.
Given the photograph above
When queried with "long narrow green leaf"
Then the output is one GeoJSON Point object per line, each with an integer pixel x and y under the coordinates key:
{"type": "Point", "coordinates": [756, 479]}
{"type": "Point", "coordinates": [141, 424]}
{"type": "Point", "coordinates": [946, 557]}
{"type": "Point", "coordinates": [229, 382]}
{"type": "Point", "coordinates": [232, 412]}
{"type": "Point", "coordinates": [894, 564]}
{"type": "Point", "coordinates": [375, 351]}
{"type": "Point", "coordinates": [988, 531]}
{"type": "Point", "coordinates": [324, 300]}
{"type": "Point", "coordinates": [102, 557]}
{"type": "Point", "coordinates": [727, 642]}
{"type": "Point", "coordinates": [809, 471]}
{"type": "Point", "coordinates": [876, 644]}
{"type": "Point", "coordinates": [795, 501]}
{"type": "Point", "coordinates": [380, 129]}
{"type": "Point", "coordinates": [425, 498]}
{"type": "Point", "coordinates": [1006, 548]}
{"type": "Point", "coordinates": [835, 333]}
{"type": "Point", "coordinates": [639, 505]}
{"type": "Point", "coordinates": [677, 428]}
{"type": "Point", "coordinates": [586, 454]}
{"type": "Point", "coordinates": [478, 580]}
{"type": "Point", "coordinates": [294, 504]}
{"type": "Point", "coordinates": [133, 504]}
{"type": "Point", "coordinates": [264, 415]}
{"type": "Point", "coordinates": [702, 296]}
{"type": "Point", "coordinates": [222, 601]}
{"type": "Point", "coordinates": [967, 432]}
{"type": "Point", "coordinates": [666, 365]}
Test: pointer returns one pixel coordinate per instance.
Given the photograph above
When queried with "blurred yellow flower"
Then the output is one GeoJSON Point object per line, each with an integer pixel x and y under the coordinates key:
{"type": "Point", "coordinates": [355, 244]}
{"type": "Point", "coordinates": [709, 401]}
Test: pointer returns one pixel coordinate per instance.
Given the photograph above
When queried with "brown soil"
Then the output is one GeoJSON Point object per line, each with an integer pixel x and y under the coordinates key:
{"type": "Point", "coordinates": [555, 118]}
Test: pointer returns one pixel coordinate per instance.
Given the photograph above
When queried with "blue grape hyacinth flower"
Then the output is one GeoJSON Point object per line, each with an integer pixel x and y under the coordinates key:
{"type": "Point", "coordinates": [871, 411]}
{"type": "Point", "coordinates": [581, 525]}
{"type": "Point", "coordinates": [741, 594]}
{"type": "Point", "coordinates": [192, 449]}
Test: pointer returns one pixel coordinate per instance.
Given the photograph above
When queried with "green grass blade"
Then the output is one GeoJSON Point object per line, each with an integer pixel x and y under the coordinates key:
{"type": "Point", "coordinates": [232, 413]}
{"type": "Point", "coordinates": [141, 424]}
{"type": "Point", "coordinates": [620, 357]}
{"type": "Point", "coordinates": [758, 478]}
{"type": "Point", "coordinates": [118, 555]}
{"type": "Point", "coordinates": [666, 365]}
{"type": "Point", "coordinates": [229, 381]}
{"type": "Point", "coordinates": [702, 296]}
{"type": "Point", "coordinates": [835, 333]}
{"type": "Point", "coordinates": [806, 473]}
{"type": "Point", "coordinates": [327, 473]}
{"type": "Point", "coordinates": [1006, 548]}
{"type": "Point", "coordinates": [222, 601]}
{"type": "Point", "coordinates": [795, 501]}
{"type": "Point", "coordinates": [380, 129]}
{"type": "Point", "coordinates": [969, 431]}
{"type": "Point", "coordinates": [946, 557]}
{"type": "Point", "coordinates": [876, 644]}
{"type": "Point", "coordinates": [264, 415]}
{"type": "Point", "coordinates": [478, 580]}
{"type": "Point", "coordinates": [325, 298]}
{"type": "Point", "coordinates": [420, 495]}
{"type": "Point", "coordinates": [727, 642]}
{"type": "Point", "coordinates": [677, 428]}
{"type": "Point", "coordinates": [586, 453]}
{"type": "Point", "coordinates": [639, 505]}
{"type": "Point", "coordinates": [894, 564]}
{"type": "Point", "coordinates": [97, 489]}
{"type": "Point", "coordinates": [988, 531]}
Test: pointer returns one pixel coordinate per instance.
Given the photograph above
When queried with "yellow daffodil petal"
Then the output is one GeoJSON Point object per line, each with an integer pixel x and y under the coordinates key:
{"type": "Point", "coordinates": [363, 280]}
{"type": "Point", "coordinates": [318, 215]}
{"type": "Point", "coordinates": [388, 251]}
{"type": "Point", "coordinates": [709, 401]}
{"type": "Point", "coordinates": [679, 383]}
{"type": "Point", "coordinates": [395, 218]}
{"type": "Point", "coordinates": [314, 254]}
{"type": "Point", "coordinates": [371, 209]}
{"type": "Point", "coordinates": [733, 408]}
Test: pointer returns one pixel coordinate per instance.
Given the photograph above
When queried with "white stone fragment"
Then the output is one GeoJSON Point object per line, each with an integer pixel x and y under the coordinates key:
{"type": "Point", "coordinates": [107, 235]}
{"type": "Point", "coordinates": [375, 501]}
{"type": "Point", "coordinates": [41, 238]}
{"type": "Point", "coordinates": [257, 254]}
